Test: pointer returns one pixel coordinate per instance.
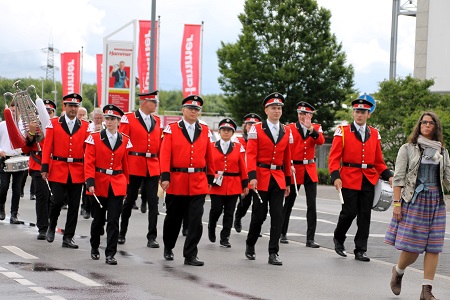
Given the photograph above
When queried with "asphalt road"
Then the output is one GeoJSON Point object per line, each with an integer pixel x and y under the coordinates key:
{"type": "Point", "coordinates": [32, 269]}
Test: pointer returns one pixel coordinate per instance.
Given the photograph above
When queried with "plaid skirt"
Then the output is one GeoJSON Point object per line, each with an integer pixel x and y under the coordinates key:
{"type": "Point", "coordinates": [422, 227]}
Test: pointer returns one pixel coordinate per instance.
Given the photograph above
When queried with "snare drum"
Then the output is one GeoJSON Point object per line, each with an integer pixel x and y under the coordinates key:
{"type": "Point", "coordinates": [16, 164]}
{"type": "Point", "coordinates": [383, 196]}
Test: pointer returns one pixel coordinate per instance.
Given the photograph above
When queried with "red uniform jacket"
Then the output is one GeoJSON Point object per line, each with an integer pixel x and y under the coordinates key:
{"type": "Point", "coordinates": [348, 148]}
{"type": "Point", "coordinates": [232, 164]}
{"type": "Point", "coordinates": [100, 155]}
{"type": "Point", "coordinates": [60, 144]}
{"type": "Point", "coordinates": [261, 149]}
{"type": "Point", "coordinates": [178, 152]}
{"type": "Point", "coordinates": [35, 152]}
{"type": "Point", "coordinates": [143, 157]}
{"type": "Point", "coordinates": [303, 151]}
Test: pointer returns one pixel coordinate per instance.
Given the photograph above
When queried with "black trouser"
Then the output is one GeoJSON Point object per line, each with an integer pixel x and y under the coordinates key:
{"type": "Point", "coordinates": [227, 204]}
{"type": "Point", "coordinates": [42, 200]}
{"type": "Point", "coordinates": [243, 205]}
{"type": "Point", "coordinates": [311, 213]}
{"type": "Point", "coordinates": [24, 181]}
{"type": "Point", "coordinates": [274, 198]}
{"type": "Point", "coordinates": [176, 206]}
{"type": "Point", "coordinates": [357, 204]}
{"type": "Point", "coordinates": [110, 212]}
{"type": "Point", "coordinates": [151, 195]}
{"type": "Point", "coordinates": [65, 191]}
{"type": "Point", "coordinates": [5, 179]}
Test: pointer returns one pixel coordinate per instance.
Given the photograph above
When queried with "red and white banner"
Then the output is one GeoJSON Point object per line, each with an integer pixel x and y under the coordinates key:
{"type": "Point", "coordinates": [99, 79]}
{"type": "Point", "coordinates": [143, 62]}
{"type": "Point", "coordinates": [70, 72]}
{"type": "Point", "coordinates": [190, 59]}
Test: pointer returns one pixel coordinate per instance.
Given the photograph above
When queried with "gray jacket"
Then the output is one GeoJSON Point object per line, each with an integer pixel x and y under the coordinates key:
{"type": "Point", "coordinates": [407, 167]}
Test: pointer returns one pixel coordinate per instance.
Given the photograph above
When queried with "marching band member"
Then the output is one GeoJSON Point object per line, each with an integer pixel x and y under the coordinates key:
{"type": "Point", "coordinates": [245, 200]}
{"type": "Point", "coordinates": [355, 164]}
{"type": "Point", "coordinates": [62, 165]}
{"type": "Point", "coordinates": [187, 172]}
{"type": "Point", "coordinates": [269, 172]}
{"type": "Point", "coordinates": [231, 180]}
{"type": "Point", "coordinates": [144, 130]}
{"type": "Point", "coordinates": [306, 136]}
{"type": "Point", "coordinates": [106, 173]}
{"type": "Point", "coordinates": [41, 188]}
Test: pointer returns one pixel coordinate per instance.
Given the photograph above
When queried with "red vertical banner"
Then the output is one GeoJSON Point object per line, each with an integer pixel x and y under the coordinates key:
{"type": "Point", "coordinates": [143, 62]}
{"type": "Point", "coordinates": [70, 72]}
{"type": "Point", "coordinates": [99, 79]}
{"type": "Point", "coordinates": [190, 59]}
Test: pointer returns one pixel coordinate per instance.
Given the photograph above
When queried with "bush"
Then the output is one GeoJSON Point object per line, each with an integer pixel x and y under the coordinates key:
{"type": "Point", "coordinates": [324, 176]}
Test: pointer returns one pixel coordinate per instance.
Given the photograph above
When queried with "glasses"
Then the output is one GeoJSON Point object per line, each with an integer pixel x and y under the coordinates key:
{"type": "Point", "coordinates": [432, 123]}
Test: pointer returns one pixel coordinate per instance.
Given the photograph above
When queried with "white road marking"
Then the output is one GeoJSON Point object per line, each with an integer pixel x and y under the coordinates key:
{"type": "Point", "coordinates": [56, 297]}
{"type": "Point", "coordinates": [3, 269]}
{"type": "Point", "coordinates": [12, 275]}
{"type": "Point", "coordinates": [40, 290]}
{"type": "Point", "coordinates": [24, 281]}
{"type": "Point", "coordinates": [79, 278]}
{"type": "Point", "coordinates": [19, 252]}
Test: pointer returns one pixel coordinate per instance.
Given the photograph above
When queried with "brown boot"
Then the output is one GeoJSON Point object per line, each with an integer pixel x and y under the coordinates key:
{"type": "Point", "coordinates": [426, 293]}
{"type": "Point", "coordinates": [396, 282]}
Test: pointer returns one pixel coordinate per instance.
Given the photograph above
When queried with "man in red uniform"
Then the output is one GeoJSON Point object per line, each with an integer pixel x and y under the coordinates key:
{"type": "Point", "coordinates": [106, 173]}
{"type": "Point", "coordinates": [269, 172]}
{"type": "Point", "coordinates": [187, 172]}
{"type": "Point", "coordinates": [144, 130]}
{"type": "Point", "coordinates": [355, 164]}
{"type": "Point", "coordinates": [231, 181]}
{"type": "Point", "coordinates": [42, 191]}
{"type": "Point", "coordinates": [306, 136]}
{"type": "Point", "coordinates": [62, 165]}
{"type": "Point", "coordinates": [245, 200]}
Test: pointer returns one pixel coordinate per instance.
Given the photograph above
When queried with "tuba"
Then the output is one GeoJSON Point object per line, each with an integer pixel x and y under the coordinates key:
{"type": "Point", "coordinates": [25, 110]}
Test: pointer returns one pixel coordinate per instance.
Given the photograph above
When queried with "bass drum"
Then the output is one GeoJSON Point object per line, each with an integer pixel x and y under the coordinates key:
{"type": "Point", "coordinates": [383, 196]}
{"type": "Point", "coordinates": [16, 164]}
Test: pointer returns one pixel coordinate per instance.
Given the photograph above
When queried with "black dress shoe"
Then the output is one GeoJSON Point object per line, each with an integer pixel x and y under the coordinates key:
{"type": "Point", "coordinates": [86, 214]}
{"type": "Point", "coordinates": [312, 244]}
{"type": "Point", "coordinates": [143, 207]}
{"type": "Point", "coordinates": [168, 254]}
{"type": "Point", "coordinates": [2, 215]}
{"type": "Point", "coordinates": [69, 243]}
{"type": "Point", "coordinates": [50, 235]}
{"type": "Point", "coordinates": [275, 260]}
{"type": "Point", "coordinates": [238, 224]}
{"type": "Point", "coordinates": [95, 255]}
{"type": "Point", "coordinates": [152, 243]}
{"type": "Point", "coordinates": [14, 219]}
{"type": "Point", "coordinates": [361, 256]}
{"type": "Point", "coordinates": [41, 235]}
{"type": "Point", "coordinates": [184, 232]}
{"type": "Point", "coordinates": [110, 260]}
{"type": "Point", "coordinates": [32, 197]}
{"type": "Point", "coordinates": [225, 243]}
{"type": "Point", "coordinates": [339, 248]}
{"type": "Point", "coordinates": [250, 252]}
{"type": "Point", "coordinates": [121, 240]}
{"type": "Point", "coordinates": [64, 206]}
{"type": "Point", "coordinates": [212, 233]}
{"type": "Point", "coordinates": [283, 239]}
{"type": "Point", "coordinates": [193, 261]}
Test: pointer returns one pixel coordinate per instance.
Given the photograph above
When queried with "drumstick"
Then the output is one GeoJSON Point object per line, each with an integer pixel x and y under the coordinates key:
{"type": "Point", "coordinates": [98, 201]}
{"type": "Point", "coordinates": [257, 194]}
{"type": "Point", "coordinates": [295, 181]}
{"type": "Point", "coordinates": [341, 198]}
{"type": "Point", "coordinates": [164, 201]}
{"type": "Point", "coordinates": [48, 185]}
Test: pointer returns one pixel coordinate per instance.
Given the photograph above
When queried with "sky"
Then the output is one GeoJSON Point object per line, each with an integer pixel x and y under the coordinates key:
{"type": "Point", "coordinates": [28, 26]}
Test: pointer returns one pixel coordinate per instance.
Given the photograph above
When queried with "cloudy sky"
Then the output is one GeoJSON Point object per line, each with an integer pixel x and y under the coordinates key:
{"type": "Point", "coordinates": [362, 26]}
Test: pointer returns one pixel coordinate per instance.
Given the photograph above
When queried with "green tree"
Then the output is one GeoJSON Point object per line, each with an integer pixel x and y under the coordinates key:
{"type": "Point", "coordinates": [400, 103]}
{"type": "Point", "coordinates": [287, 47]}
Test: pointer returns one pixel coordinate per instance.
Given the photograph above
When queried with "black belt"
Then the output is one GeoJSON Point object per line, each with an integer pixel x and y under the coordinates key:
{"type": "Point", "coordinates": [230, 174]}
{"type": "Point", "coordinates": [144, 154]}
{"type": "Point", "coordinates": [67, 159]}
{"type": "Point", "coordinates": [188, 170]}
{"type": "Point", "coordinates": [108, 171]}
{"type": "Point", "coordinates": [267, 166]}
{"type": "Point", "coordinates": [303, 162]}
{"type": "Point", "coordinates": [362, 166]}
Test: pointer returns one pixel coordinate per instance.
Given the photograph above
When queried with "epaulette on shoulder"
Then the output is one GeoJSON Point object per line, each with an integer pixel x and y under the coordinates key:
{"type": "Point", "coordinates": [156, 116]}
{"type": "Point", "coordinates": [202, 122]}
{"type": "Point", "coordinates": [128, 112]}
{"type": "Point", "coordinates": [124, 134]}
